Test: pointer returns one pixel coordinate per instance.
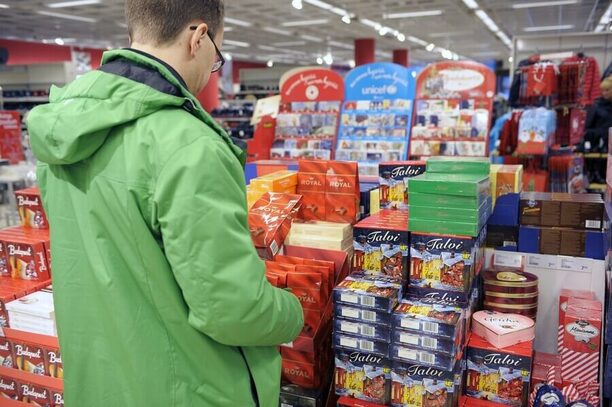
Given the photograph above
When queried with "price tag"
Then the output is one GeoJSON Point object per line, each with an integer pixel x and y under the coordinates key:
{"type": "Point", "coordinates": [508, 259]}
{"type": "Point", "coordinates": [574, 264]}
{"type": "Point", "coordinates": [543, 261]}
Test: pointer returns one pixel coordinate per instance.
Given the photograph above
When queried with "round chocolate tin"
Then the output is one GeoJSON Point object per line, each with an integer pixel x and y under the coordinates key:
{"type": "Point", "coordinates": [510, 282]}
{"type": "Point", "coordinates": [511, 299]}
{"type": "Point", "coordinates": [524, 307]}
{"type": "Point", "coordinates": [528, 312]}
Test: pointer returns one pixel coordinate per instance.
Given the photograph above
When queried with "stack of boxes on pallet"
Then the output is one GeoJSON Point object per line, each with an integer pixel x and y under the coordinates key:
{"type": "Point", "coordinates": [31, 365]}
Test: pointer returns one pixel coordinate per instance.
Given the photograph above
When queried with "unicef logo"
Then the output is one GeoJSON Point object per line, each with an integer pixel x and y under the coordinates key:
{"type": "Point", "coordinates": [312, 92]}
{"type": "Point", "coordinates": [391, 89]}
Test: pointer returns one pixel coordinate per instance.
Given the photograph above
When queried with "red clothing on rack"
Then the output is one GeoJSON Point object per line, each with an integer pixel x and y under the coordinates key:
{"type": "Point", "coordinates": [588, 83]}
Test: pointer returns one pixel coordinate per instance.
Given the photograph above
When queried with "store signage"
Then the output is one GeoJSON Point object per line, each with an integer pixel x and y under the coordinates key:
{"type": "Point", "coordinates": [313, 85]}
{"type": "Point", "coordinates": [11, 147]}
{"type": "Point", "coordinates": [379, 81]}
{"type": "Point", "coordinates": [456, 79]}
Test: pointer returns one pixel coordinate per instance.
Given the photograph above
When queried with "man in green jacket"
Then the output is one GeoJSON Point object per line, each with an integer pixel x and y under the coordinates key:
{"type": "Point", "coordinates": [160, 297]}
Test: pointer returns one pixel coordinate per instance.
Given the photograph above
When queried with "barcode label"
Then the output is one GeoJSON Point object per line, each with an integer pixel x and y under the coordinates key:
{"type": "Point", "coordinates": [368, 301]}
{"type": "Point", "coordinates": [348, 327]}
{"type": "Point", "coordinates": [349, 313]}
{"type": "Point", "coordinates": [350, 298]}
{"type": "Point", "coordinates": [368, 330]}
{"type": "Point", "coordinates": [409, 339]}
{"type": "Point", "coordinates": [349, 343]}
{"type": "Point", "coordinates": [508, 243]}
{"type": "Point", "coordinates": [368, 316]}
{"type": "Point", "coordinates": [274, 247]}
{"type": "Point", "coordinates": [407, 354]}
{"type": "Point", "coordinates": [430, 327]}
{"type": "Point", "coordinates": [431, 343]}
{"type": "Point", "coordinates": [410, 324]}
{"type": "Point", "coordinates": [428, 358]}
{"type": "Point", "coordinates": [593, 224]}
{"type": "Point", "coordinates": [368, 346]}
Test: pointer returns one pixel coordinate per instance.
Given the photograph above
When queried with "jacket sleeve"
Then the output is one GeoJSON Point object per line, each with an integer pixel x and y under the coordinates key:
{"type": "Point", "coordinates": [202, 215]}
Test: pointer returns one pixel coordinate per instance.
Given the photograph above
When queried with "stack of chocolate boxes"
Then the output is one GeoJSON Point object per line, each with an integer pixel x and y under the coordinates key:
{"type": "Point", "coordinates": [563, 224]}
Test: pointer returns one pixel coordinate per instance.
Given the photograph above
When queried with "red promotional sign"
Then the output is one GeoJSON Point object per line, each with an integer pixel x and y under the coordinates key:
{"type": "Point", "coordinates": [456, 80]}
{"type": "Point", "coordinates": [10, 137]}
{"type": "Point", "coordinates": [313, 85]}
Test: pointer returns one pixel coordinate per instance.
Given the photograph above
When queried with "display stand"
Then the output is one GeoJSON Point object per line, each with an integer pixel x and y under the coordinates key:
{"type": "Point", "coordinates": [307, 121]}
{"type": "Point", "coordinates": [454, 102]}
{"type": "Point", "coordinates": [376, 115]}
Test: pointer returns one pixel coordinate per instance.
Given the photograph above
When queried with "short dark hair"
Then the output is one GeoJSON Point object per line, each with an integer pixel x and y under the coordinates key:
{"type": "Point", "coordinates": [161, 21]}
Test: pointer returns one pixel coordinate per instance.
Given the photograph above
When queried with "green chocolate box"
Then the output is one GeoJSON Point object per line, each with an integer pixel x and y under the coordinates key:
{"type": "Point", "coordinates": [456, 165]}
{"type": "Point", "coordinates": [451, 184]}
{"type": "Point", "coordinates": [447, 201]}
{"type": "Point", "coordinates": [462, 215]}
{"type": "Point", "coordinates": [441, 226]}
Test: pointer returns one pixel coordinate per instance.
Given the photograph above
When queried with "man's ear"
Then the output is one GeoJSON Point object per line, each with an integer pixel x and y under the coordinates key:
{"type": "Point", "coordinates": [195, 41]}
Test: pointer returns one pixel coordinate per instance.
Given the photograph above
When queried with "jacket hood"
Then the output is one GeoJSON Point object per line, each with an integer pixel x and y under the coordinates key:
{"type": "Point", "coordinates": [79, 117]}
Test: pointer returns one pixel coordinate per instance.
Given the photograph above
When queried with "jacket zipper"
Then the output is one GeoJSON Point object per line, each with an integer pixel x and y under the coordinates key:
{"type": "Point", "coordinates": [253, 386]}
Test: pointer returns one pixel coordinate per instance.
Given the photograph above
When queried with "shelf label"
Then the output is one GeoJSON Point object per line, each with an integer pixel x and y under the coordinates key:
{"type": "Point", "coordinates": [574, 264]}
{"type": "Point", "coordinates": [508, 259]}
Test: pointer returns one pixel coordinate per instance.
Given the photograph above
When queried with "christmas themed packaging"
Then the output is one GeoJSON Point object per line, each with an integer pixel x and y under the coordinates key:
{"type": "Point", "coordinates": [381, 245]}
{"type": "Point", "coordinates": [365, 330]}
{"type": "Point", "coordinates": [421, 385]}
{"type": "Point", "coordinates": [393, 179]}
{"type": "Point", "coordinates": [363, 376]}
{"type": "Point", "coordinates": [433, 318]}
{"type": "Point", "coordinates": [499, 375]}
{"type": "Point", "coordinates": [369, 316]}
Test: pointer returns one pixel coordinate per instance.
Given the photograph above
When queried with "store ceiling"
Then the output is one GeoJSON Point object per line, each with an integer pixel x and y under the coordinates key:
{"type": "Point", "coordinates": [264, 29]}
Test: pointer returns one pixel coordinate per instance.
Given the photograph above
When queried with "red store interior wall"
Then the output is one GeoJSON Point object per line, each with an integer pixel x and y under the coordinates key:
{"type": "Point", "coordinates": [28, 53]}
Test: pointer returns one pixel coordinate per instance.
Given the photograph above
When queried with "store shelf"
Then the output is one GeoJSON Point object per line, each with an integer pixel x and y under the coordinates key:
{"type": "Point", "coordinates": [31, 99]}
{"type": "Point", "coordinates": [313, 137]}
{"type": "Point", "coordinates": [595, 155]}
{"type": "Point", "coordinates": [233, 119]}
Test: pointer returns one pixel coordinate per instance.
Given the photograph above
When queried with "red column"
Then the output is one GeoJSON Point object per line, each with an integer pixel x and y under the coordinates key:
{"type": "Point", "coordinates": [401, 57]}
{"type": "Point", "coordinates": [209, 97]}
{"type": "Point", "coordinates": [365, 51]}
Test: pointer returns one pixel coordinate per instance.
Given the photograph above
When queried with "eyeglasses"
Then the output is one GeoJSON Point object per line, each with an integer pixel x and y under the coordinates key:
{"type": "Point", "coordinates": [220, 61]}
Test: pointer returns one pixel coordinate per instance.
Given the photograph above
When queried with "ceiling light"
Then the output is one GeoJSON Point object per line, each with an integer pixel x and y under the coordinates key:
{"type": "Point", "coordinates": [370, 23]}
{"type": "Point", "coordinates": [417, 40]}
{"type": "Point", "coordinates": [227, 56]}
{"type": "Point", "coordinates": [320, 61]}
{"type": "Point", "coordinates": [352, 63]}
{"type": "Point", "coordinates": [235, 21]}
{"type": "Point", "coordinates": [455, 57]}
{"type": "Point", "coordinates": [4, 6]}
{"type": "Point", "coordinates": [67, 16]}
{"type": "Point", "coordinates": [289, 43]}
{"type": "Point", "coordinates": [545, 3]}
{"type": "Point", "coordinates": [270, 64]}
{"type": "Point", "coordinates": [276, 31]}
{"type": "Point", "coordinates": [340, 45]}
{"type": "Point", "coordinates": [297, 4]}
{"type": "Point", "coordinates": [487, 20]}
{"type": "Point", "coordinates": [266, 48]}
{"type": "Point", "coordinates": [510, 59]}
{"type": "Point", "coordinates": [237, 43]}
{"type": "Point", "coordinates": [413, 14]}
{"type": "Point", "coordinates": [73, 3]}
{"type": "Point", "coordinates": [430, 47]}
{"type": "Point", "coordinates": [346, 19]}
{"type": "Point", "coordinates": [383, 31]}
{"type": "Point", "coordinates": [304, 22]}
{"type": "Point", "coordinates": [471, 4]}
{"type": "Point", "coordinates": [401, 37]}
{"type": "Point", "coordinates": [311, 38]}
{"type": "Point", "coordinates": [328, 59]}
{"type": "Point", "coordinates": [59, 41]}
{"type": "Point", "coordinates": [549, 28]}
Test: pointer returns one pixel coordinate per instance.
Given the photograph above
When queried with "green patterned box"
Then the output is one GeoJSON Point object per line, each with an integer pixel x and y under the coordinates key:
{"type": "Point", "coordinates": [459, 165]}
{"type": "Point", "coordinates": [450, 184]}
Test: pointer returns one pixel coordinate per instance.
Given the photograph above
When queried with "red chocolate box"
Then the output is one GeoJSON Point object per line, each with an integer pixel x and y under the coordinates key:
{"type": "Point", "coordinates": [582, 325]}
{"type": "Point", "coordinates": [27, 258]}
{"type": "Point", "coordinates": [35, 394]}
{"type": "Point", "coordinates": [55, 367]}
{"type": "Point", "coordinates": [6, 353]}
{"type": "Point", "coordinates": [30, 358]}
{"type": "Point", "coordinates": [9, 388]}
{"type": "Point", "coordinates": [57, 398]}
{"type": "Point", "coordinates": [30, 207]}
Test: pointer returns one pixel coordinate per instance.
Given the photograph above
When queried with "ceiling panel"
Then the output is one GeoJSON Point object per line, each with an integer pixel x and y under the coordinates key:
{"type": "Point", "coordinates": [455, 28]}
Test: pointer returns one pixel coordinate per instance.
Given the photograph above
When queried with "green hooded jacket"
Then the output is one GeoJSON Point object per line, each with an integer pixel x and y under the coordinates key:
{"type": "Point", "coordinates": [160, 297]}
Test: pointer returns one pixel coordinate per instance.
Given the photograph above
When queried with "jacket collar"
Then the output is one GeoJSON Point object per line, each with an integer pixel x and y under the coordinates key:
{"type": "Point", "coordinates": [164, 71]}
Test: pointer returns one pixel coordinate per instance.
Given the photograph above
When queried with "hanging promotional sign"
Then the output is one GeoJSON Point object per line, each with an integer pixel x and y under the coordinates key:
{"type": "Point", "coordinates": [307, 121]}
{"type": "Point", "coordinates": [376, 115]}
{"type": "Point", "coordinates": [11, 147]}
{"type": "Point", "coordinates": [454, 100]}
